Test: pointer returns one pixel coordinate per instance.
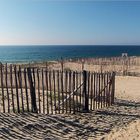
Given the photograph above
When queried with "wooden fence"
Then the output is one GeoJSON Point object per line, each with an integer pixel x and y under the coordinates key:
{"type": "Point", "coordinates": [51, 92]}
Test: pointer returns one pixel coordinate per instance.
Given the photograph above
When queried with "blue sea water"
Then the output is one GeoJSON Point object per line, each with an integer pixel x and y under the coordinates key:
{"type": "Point", "coordinates": [11, 54]}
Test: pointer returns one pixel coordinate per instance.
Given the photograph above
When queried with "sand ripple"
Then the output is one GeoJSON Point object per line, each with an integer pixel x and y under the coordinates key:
{"type": "Point", "coordinates": [94, 125]}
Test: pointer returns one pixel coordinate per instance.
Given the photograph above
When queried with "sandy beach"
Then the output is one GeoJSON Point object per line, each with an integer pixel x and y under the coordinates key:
{"type": "Point", "coordinates": [70, 70]}
{"type": "Point", "coordinates": [116, 122]}
{"type": "Point", "coordinates": [117, 64]}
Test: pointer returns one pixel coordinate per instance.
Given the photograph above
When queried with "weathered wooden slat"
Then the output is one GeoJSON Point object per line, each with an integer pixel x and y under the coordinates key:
{"type": "Point", "coordinates": [2, 88]}
{"type": "Point", "coordinates": [91, 92]}
{"type": "Point", "coordinates": [102, 76]}
{"type": "Point", "coordinates": [73, 99]}
{"type": "Point", "coordinates": [46, 75]}
{"type": "Point", "coordinates": [105, 81]}
{"type": "Point", "coordinates": [39, 100]}
{"type": "Point", "coordinates": [77, 93]}
{"type": "Point", "coordinates": [34, 80]}
{"type": "Point", "coordinates": [94, 92]}
{"type": "Point", "coordinates": [62, 93]}
{"type": "Point", "coordinates": [54, 90]}
{"type": "Point", "coordinates": [51, 99]}
{"type": "Point", "coordinates": [20, 85]}
{"type": "Point", "coordinates": [113, 88]}
{"type": "Point", "coordinates": [110, 83]}
{"type": "Point", "coordinates": [107, 90]}
{"type": "Point", "coordinates": [6, 84]}
{"type": "Point", "coordinates": [66, 86]}
{"type": "Point", "coordinates": [43, 91]}
{"type": "Point", "coordinates": [104, 92]}
{"type": "Point", "coordinates": [58, 92]}
{"type": "Point", "coordinates": [88, 87]}
{"type": "Point", "coordinates": [99, 91]}
{"type": "Point", "coordinates": [11, 86]}
{"type": "Point", "coordinates": [16, 84]}
{"type": "Point", "coordinates": [80, 75]}
{"type": "Point", "coordinates": [26, 89]}
{"type": "Point", "coordinates": [70, 90]}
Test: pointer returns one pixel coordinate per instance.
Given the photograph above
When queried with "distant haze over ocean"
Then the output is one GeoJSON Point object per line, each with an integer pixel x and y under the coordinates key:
{"type": "Point", "coordinates": [23, 54]}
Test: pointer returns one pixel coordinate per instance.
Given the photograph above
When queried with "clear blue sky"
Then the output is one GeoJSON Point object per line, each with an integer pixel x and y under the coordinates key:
{"type": "Point", "coordinates": [69, 22]}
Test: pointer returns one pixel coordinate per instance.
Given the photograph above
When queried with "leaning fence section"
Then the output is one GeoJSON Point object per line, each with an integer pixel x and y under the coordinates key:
{"type": "Point", "coordinates": [51, 92]}
{"type": "Point", "coordinates": [101, 89]}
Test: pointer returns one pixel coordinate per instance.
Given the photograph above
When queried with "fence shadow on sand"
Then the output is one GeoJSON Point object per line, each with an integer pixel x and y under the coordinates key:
{"type": "Point", "coordinates": [66, 126]}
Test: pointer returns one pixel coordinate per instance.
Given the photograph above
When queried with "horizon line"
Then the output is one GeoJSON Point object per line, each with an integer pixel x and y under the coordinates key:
{"type": "Point", "coordinates": [69, 44]}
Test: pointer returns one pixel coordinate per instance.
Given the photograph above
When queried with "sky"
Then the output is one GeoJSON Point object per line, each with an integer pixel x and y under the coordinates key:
{"type": "Point", "coordinates": [75, 22]}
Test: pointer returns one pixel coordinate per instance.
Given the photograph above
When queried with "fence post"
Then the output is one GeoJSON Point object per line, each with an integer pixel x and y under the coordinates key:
{"type": "Point", "coordinates": [32, 91]}
{"type": "Point", "coordinates": [2, 87]}
{"type": "Point", "coordinates": [85, 94]}
{"type": "Point", "coordinates": [62, 64]}
{"type": "Point", "coordinates": [83, 62]}
{"type": "Point", "coordinates": [113, 88]}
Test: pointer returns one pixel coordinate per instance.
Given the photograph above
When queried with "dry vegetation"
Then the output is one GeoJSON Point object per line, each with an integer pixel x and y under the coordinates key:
{"type": "Point", "coordinates": [122, 66]}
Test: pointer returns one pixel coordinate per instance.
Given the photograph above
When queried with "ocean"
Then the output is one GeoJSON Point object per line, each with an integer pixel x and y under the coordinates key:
{"type": "Point", "coordinates": [23, 54]}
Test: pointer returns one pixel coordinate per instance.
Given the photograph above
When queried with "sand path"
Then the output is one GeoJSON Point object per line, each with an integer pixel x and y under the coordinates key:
{"type": "Point", "coordinates": [130, 132]}
{"type": "Point", "coordinates": [127, 88]}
